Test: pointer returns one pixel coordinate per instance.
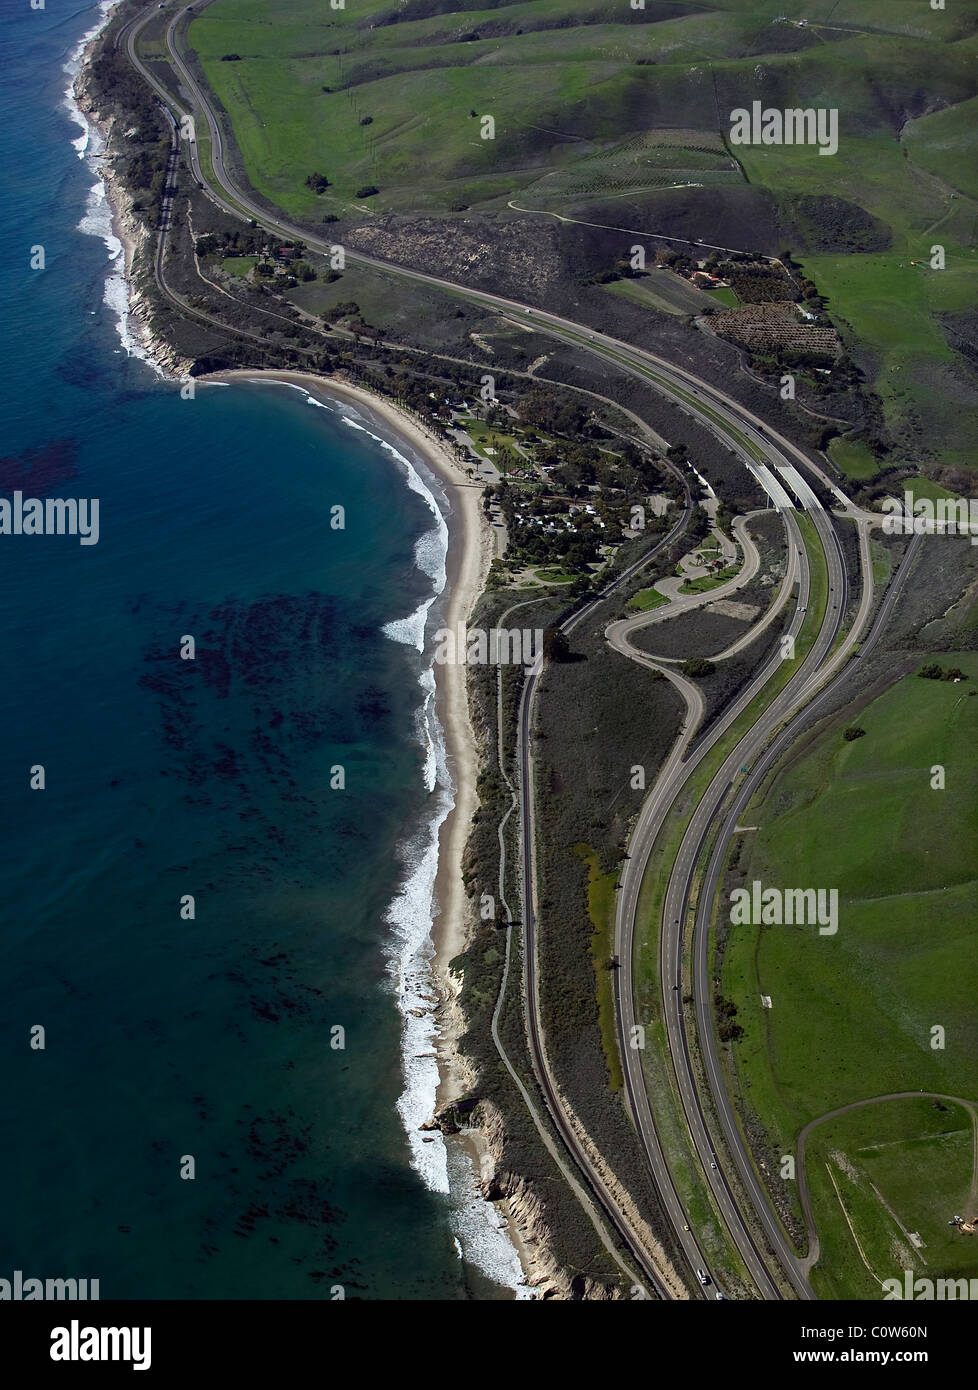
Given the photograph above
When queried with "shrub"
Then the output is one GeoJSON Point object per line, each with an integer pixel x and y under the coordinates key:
{"type": "Point", "coordinates": [697, 666]}
{"type": "Point", "coordinates": [853, 733]}
{"type": "Point", "coordinates": [936, 672]}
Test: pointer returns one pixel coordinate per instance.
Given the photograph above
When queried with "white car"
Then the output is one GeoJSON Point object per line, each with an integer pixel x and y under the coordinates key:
{"type": "Point", "coordinates": [703, 1277]}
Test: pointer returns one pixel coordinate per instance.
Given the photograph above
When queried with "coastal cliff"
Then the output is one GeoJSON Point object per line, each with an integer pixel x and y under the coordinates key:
{"type": "Point", "coordinates": [134, 226]}
{"type": "Point", "coordinates": [547, 1274]}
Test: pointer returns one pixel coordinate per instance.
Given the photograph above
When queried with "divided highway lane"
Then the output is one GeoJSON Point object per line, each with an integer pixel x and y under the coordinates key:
{"type": "Point", "coordinates": [672, 932]}
{"type": "Point", "coordinates": [817, 668]}
{"type": "Point", "coordinates": [672, 777]}
{"type": "Point", "coordinates": [680, 887]}
{"type": "Point", "coordinates": [711, 885]}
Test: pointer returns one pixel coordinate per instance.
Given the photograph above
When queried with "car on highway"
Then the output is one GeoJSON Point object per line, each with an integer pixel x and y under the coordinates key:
{"type": "Point", "coordinates": [703, 1277]}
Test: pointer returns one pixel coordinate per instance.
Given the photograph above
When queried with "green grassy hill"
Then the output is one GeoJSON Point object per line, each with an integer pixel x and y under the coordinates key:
{"type": "Point", "coordinates": [852, 1014]}
{"type": "Point", "coordinates": [619, 116]}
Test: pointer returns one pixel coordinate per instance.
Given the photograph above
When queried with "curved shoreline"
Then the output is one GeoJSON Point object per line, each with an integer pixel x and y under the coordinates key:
{"type": "Point", "coordinates": [467, 565]}
{"type": "Point", "coordinates": [469, 555]}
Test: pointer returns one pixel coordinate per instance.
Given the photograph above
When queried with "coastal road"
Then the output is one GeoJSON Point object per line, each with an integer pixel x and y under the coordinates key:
{"type": "Point", "coordinates": [674, 913]}
{"type": "Point", "coordinates": [713, 408]}
{"type": "Point", "coordinates": [587, 1158]}
{"type": "Point", "coordinates": [669, 781]}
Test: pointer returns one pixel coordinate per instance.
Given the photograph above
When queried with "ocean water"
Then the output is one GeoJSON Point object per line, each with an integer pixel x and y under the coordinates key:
{"type": "Point", "coordinates": [212, 1038]}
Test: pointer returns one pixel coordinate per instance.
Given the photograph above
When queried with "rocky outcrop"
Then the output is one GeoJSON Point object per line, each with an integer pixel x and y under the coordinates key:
{"type": "Point", "coordinates": [546, 1274]}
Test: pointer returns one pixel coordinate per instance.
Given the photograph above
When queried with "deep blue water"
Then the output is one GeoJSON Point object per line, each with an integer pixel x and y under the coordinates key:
{"type": "Point", "coordinates": [168, 1037]}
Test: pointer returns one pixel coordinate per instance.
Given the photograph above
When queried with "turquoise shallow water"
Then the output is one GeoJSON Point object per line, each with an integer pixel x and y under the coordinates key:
{"type": "Point", "coordinates": [209, 1037]}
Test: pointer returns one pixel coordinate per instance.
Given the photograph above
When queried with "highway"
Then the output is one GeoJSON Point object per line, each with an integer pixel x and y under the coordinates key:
{"type": "Point", "coordinates": [759, 447]}
{"type": "Point", "coordinates": [702, 991]}
{"type": "Point", "coordinates": [675, 773]}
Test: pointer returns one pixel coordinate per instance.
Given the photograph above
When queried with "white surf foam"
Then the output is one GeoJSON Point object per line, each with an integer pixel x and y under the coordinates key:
{"type": "Point", "coordinates": [430, 549]}
{"type": "Point", "coordinates": [480, 1236]}
{"type": "Point", "coordinates": [294, 386]}
{"type": "Point", "coordinates": [97, 219]}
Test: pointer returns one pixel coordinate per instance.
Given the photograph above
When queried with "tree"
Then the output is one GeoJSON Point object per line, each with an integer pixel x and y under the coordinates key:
{"type": "Point", "coordinates": [556, 648]}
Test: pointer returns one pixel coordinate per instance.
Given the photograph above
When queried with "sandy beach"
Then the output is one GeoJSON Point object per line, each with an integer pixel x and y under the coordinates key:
{"type": "Point", "coordinates": [467, 565]}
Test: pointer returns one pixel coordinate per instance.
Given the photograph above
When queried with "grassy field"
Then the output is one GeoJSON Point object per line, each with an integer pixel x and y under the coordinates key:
{"type": "Point", "coordinates": [706, 582]}
{"type": "Point", "coordinates": [723, 294]}
{"type": "Point", "coordinates": [646, 599]}
{"type": "Point", "coordinates": [316, 90]}
{"type": "Point", "coordinates": [854, 458]}
{"type": "Point", "coordinates": [663, 290]}
{"type": "Point", "coordinates": [853, 1014]}
{"type": "Point", "coordinates": [883, 1174]}
{"type": "Point", "coordinates": [239, 265]}
{"type": "Point", "coordinates": [889, 300]}
{"type": "Point", "coordinates": [882, 561]}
